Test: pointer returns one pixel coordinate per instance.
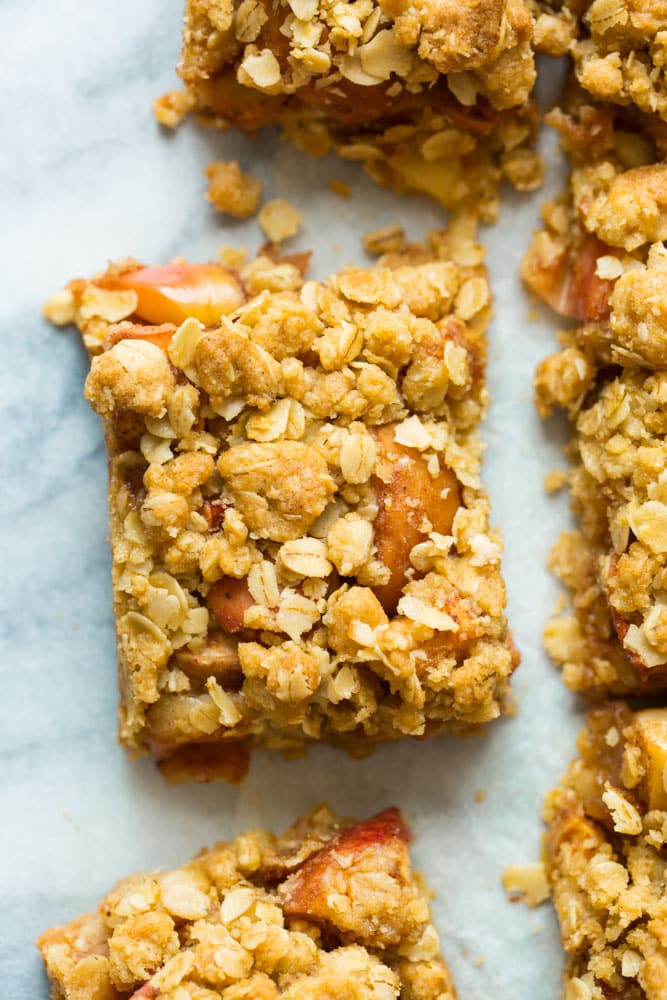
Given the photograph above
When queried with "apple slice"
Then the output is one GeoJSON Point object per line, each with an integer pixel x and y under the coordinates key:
{"type": "Point", "coordinates": [358, 885]}
{"type": "Point", "coordinates": [568, 281]}
{"type": "Point", "coordinates": [650, 733]}
{"type": "Point", "coordinates": [229, 599]}
{"type": "Point", "coordinates": [407, 495]}
{"type": "Point", "coordinates": [159, 335]}
{"type": "Point", "coordinates": [217, 658]}
{"type": "Point", "coordinates": [172, 293]}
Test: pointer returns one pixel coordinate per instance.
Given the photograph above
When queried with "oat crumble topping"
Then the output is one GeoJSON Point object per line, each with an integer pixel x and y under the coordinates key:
{"type": "Point", "coordinates": [619, 48]}
{"type": "Point", "coordinates": [231, 190]}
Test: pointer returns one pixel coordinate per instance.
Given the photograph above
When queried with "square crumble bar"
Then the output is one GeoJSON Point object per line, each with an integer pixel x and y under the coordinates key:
{"type": "Point", "coordinates": [605, 856]}
{"type": "Point", "coordinates": [300, 540]}
{"type": "Point", "coordinates": [430, 97]}
{"type": "Point", "coordinates": [601, 261]}
{"type": "Point", "coordinates": [327, 911]}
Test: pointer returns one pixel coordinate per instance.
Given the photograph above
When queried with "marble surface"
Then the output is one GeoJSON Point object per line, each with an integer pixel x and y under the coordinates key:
{"type": "Point", "coordinates": [87, 176]}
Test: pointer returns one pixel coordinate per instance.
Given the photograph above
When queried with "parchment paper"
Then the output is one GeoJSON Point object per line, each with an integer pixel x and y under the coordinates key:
{"type": "Point", "coordinates": [85, 176]}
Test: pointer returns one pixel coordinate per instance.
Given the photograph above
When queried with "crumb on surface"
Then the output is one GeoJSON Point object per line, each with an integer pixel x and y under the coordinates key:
{"type": "Point", "coordinates": [231, 190]}
{"type": "Point", "coordinates": [527, 882]}
{"type": "Point", "coordinates": [171, 108]}
{"type": "Point", "coordinates": [341, 188]}
{"type": "Point", "coordinates": [279, 219]}
{"type": "Point", "coordinates": [389, 239]}
{"type": "Point", "coordinates": [555, 480]}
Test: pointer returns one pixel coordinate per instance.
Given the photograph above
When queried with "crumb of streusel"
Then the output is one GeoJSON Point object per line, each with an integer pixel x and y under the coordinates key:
{"type": "Point", "coordinates": [341, 188]}
{"type": "Point", "coordinates": [231, 190]}
{"type": "Point", "coordinates": [528, 882]}
{"type": "Point", "coordinates": [555, 480]}
{"type": "Point", "coordinates": [279, 219]}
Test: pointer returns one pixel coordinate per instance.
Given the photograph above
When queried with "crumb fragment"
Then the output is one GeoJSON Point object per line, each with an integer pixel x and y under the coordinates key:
{"type": "Point", "coordinates": [480, 795]}
{"type": "Point", "coordinates": [171, 108]}
{"type": "Point", "coordinates": [390, 239]}
{"type": "Point", "coordinates": [231, 190]}
{"type": "Point", "coordinates": [279, 219]}
{"type": "Point", "coordinates": [529, 881]}
{"type": "Point", "coordinates": [341, 188]}
{"type": "Point", "coordinates": [555, 480]}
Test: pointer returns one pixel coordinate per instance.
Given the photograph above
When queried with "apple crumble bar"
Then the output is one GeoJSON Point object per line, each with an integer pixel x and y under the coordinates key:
{"type": "Point", "coordinates": [330, 910]}
{"type": "Point", "coordinates": [430, 97]}
{"type": "Point", "coordinates": [600, 260]}
{"type": "Point", "coordinates": [301, 547]}
{"type": "Point", "coordinates": [606, 859]}
{"type": "Point", "coordinates": [619, 48]}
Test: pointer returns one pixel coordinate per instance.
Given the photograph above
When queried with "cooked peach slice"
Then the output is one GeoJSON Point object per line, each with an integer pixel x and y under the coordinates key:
{"type": "Point", "coordinates": [159, 335]}
{"type": "Point", "coordinates": [568, 281]}
{"type": "Point", "coordinates": [229, 599]}
{"type": "Point", "coordinates": [172, 293]}
{"type": "Point", "coordinates": [411, 502]}
{"type": "Point", "coordinates": [333, 887]}
{"type": "Point", "coordinates": [203, 762]}
{"type": "Point", "coordinates": [650, 733]}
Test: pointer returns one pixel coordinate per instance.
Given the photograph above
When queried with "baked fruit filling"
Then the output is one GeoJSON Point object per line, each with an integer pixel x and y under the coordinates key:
{"type": "Point", "coordinates": [605, 855]}
{"type": "Point", "coordinates": [430, 97]}
{"type": "Point", "coordinates": [331, 909]}
{"type": "Point", "coordinates": [300, 539]}
{"type": "Point", "coordinates": [601, 261]}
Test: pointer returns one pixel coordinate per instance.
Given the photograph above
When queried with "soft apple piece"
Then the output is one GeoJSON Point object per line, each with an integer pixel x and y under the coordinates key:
{"type": "Point", "coordinates": [229, 599]}
{"type": "Point", "coordinates": [172, 293]}
{"type": "Point", "coordinates": [407, 498]}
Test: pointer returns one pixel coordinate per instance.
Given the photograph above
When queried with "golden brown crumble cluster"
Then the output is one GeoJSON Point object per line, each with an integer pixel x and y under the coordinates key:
{"type": "Point", "coordinates": [429, 96]}
{"type": "Point", "coordinates": [600, 260]}
{"type": "Point", "coordinates": [619, 48]}
{"type": "Point", "coordinates": [327, 911]}
{"type": "Point", "coordinates": [301, 546]}
{"type": "Point", "coordinates": [606, 858]}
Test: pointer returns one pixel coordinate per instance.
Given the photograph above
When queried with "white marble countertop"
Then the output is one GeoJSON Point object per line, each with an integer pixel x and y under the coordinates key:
{"type": "Point", "coordinates": [87, 176]}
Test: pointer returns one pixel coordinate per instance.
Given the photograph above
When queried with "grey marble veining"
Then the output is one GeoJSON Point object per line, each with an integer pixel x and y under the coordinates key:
{"type": "Point", "coordinates": [85, 175]}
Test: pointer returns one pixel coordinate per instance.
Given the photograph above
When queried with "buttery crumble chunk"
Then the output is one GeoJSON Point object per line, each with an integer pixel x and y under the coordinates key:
{"type": "Point", "coordinates": [301, 547]}
{"type": "Point", "coordinates": [330, 910]}
{"type": "Point", "coordinates": [605, 856]}
{"type": "Point", "coordinates": [618, 48]}
{"type": "Point", "coordinates": [231, 190]}
{"type": "Point", "coordinates": [430, 96]}
{"type": "Point", "coordinates": [601, 261]}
